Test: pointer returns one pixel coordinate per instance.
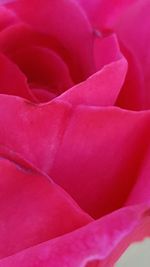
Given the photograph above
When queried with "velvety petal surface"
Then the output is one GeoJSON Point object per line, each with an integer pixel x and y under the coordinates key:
{"type": "Point", "coordinates": [43, 67]}
{"type": "Point", "coordinates": [42, 94]}
{"type": "Point", "coordinates": [12, 80]}
{"type": "Point", "coordinates": [100, 242]}
{"type": "Point", "coordinates": [100, 89]}
{"type": "Point", "coordinates": [141, 190]}
{"type": "Point", "coordinates": [61, 19]}
{"type": "Point", "coordinates": [101, 156]}
{"type": "Point", "coordinates": [89, 151]}
{"type": "Point", "coordinates": [103, 87]}
{"type": "Point", "coordinates": [7, 17]}
{"type": "Point", "coordinates": [133, 31]}
{"type": "Point", "coordinates": [106, 50]}
{"type": "Point", "coordinates": [32, 52]}
{"type": "Point", "coordinates": [21, 36]}
{"type": "Point", "coordinates": [33, 208]}
{"type": "Point", "coordinates": [130, 21]}
{"type": "Point", "coordinates": [104, 13]}
{"type": "Point", "coordinates": [6, 1]}
{"type": "Point", "coordinates": [132, 93]}
{"type": "Point", "coordinates": [37, 130]}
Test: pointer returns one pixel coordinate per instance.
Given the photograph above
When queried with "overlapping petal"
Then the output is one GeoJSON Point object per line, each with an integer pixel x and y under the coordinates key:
{"type": "Point", "coordinates": [101, 156]}
{"type": "Point", "coordinates": [67, 24]}
{"type": "Point", "coordinates": [44, 68]}
{"type": "Point", "coordinates": [100, 89]}
{"type": "Point", "coordinates": [133, 33]}
{"type": "Point", "coordinates": [104, 13]}
{"type": "Point", "coordinates": [12, 80]}
{"type": "Point", "coordinates": [89, 151]}
{"type": "Point", "coordinates": [7, 17]}
{"type": "Point", "coordinates": [33, 54]}
{"type": "Point", "coordinates": [130, 21]}
{"type": "Point", "coordinates": [33, 208]}
{"type": "Point", "coordinates": [103, 87]}
{"type": "Point", "coordinates": [100, 242]}
{"type": "Point", "coordinates": [97, 153]}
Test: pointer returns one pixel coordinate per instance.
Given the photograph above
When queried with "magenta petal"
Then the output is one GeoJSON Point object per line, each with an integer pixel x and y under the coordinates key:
{"type": "Point", "coordinates": [61, 19]}
{"type": "Point", "coordinates": [42, 94]}
{"type": "Point", "coordinates": [33, 208]}
{"type": "Point", "coordinates": [89, 151]}
{"type": "Point", "coordinates": [43, 67]}
{"type": "Point", "coordinates": [141, 190]}
{"type": "Point", "coordinates": [106, 50]}
{"type": "Point", "coordinates": [101, 155]}
{"type": "Point", "coordinates": [103, 87]}
{"type": "Point", "coordinates": [98, 241]}
{"type": "Point", "coordinates": [7, 17]}
{"type": "Point", "coordinates": [100, 89]}
{"type": "Point", "coordinates": [37, 130]}
{"type": "Point", "coordinates": [133, 31]}
{"type": "Point", "coordinates": [2, 2]}
{"type": "Point", "coordinates": [132, 94]}
{"type": "Point", "coordinates": [104, 13]}
{"type": "Point", "coordinates": [12, 80]}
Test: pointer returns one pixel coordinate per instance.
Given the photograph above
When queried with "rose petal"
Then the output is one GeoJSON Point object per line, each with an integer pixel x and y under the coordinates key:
{"type": "Point", "coordinates": [132, 94]}
{"type": "Point", "coordinates": [12, 80]}
{"type": "Point", "coordinates": [43, 67]}
{"type": "Point", "coordinates": [100, 156]}
{"type": "Point", "coordinates": [130, 21]}
{"type": "Point", "coordinates": [106, 50]}
{"type": "Point", "coordinates": [7, 17]}
{"type": "Point", "coordinates": [103, 87]}
{"type": "Point", "coordinates": [99, 240]}
{"type": "Point", "coordinates": [37, 130]}
{"type": "Point", "coordinates": [104, 13]}
{"type": "Point", "coordinates": [42, 94]}
{"type": "Point", "coordinates": [133, 31]}
{"type": "Point", "coordinates": [50, 19]}
{"type": "Point", "coordinates": [21, 36]}
{"type": "Point", "coordinates": [33, 208]}
{"type": "Point", "coordinates": [6, 1]}
{"type": "Point", "coordinates": [141, 190]}
{"type": "Point", "coordinates": [89, 151]}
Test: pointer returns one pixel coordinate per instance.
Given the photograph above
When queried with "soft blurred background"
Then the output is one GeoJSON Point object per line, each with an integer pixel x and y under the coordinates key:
{"type": "Point", "coordinates": [137, 255]}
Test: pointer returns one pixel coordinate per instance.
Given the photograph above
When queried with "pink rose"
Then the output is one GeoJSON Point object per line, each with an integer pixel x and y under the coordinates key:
{"type": "Point", "coordinates": [74, 186]}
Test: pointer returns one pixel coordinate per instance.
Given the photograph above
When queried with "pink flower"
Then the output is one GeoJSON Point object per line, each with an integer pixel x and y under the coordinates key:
{"type": "Point", "coordinates": [74, 186]}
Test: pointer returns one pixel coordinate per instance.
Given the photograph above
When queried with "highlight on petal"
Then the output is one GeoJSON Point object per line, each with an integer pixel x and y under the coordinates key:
{"type": "Point", "coordinates": [61, 19]}
{"type": "Point", "coordinates": [103, 87]}
{"type": "Point", "coordinates": [103, 240]}
{"type": "Point", "coordinates": [6, 1]}
{"type": "Point", "coordinates": [33, 208]}
{"type": "Point", "coordinates": [42, 94]}
{"type": "Point", "coordinates": [7, 17]}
